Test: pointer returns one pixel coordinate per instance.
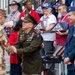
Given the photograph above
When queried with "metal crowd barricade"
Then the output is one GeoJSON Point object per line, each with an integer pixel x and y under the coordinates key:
{"type": "Point", "coordinates": [57, 58]}
{"type": "Point", "coordinates": [48, 60]}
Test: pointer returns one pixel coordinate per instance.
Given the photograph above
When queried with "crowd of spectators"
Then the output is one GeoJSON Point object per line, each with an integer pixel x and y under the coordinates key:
{"type": "Point", "coordinates": [47, 16]}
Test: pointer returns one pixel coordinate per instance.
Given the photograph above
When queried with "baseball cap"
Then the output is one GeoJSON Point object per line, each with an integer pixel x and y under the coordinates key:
{"type": "Point", "coordinates": [70, 9]}
{"type": "Point", "coordinates": [47, 5]}
{"type": "Point", "coordinates": [14, 3]}
{"type": "Point", "coordinates": [3, 12]}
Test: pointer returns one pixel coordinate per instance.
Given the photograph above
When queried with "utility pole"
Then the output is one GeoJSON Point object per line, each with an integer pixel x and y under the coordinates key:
{"type": "Point", "coordinates": [8, 6]}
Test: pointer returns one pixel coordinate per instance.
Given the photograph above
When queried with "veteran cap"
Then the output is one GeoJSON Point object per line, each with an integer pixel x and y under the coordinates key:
{"type": "Point", "coordinates": [14, 3]}
{"type": "Point", "coordinates": [46, 5]}
{"type": "Point", "coordinates": [70, 9]}
{"type": "Point", "coordinates": [3, 12]}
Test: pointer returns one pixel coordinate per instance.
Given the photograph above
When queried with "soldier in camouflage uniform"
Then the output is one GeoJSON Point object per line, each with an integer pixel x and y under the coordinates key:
{"type": "Point", "coordinates": [28, 45]}
{"type": "Point", "coordinates": [3, 43]}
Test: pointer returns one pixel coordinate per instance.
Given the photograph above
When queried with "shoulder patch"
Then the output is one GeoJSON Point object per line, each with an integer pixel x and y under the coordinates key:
{"type": "Point", "coordinates": [74, 34]}
{"type": "Point", "coordinates": [37, 35]}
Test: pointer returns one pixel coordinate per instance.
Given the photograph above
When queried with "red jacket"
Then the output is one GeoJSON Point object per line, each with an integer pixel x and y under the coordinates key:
{"type": "Point", "coordinates": [22, 15]}
{"type": "Point", "coordinates": [12, 40]}
{"type": "Point", "coordinates": [61, 39]}
{"type": "Point", "coordinates": [33, 13]}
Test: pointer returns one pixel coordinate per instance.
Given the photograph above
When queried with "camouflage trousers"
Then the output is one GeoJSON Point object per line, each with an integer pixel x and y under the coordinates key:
{"type": "Point", "coordinates": [2, 63]}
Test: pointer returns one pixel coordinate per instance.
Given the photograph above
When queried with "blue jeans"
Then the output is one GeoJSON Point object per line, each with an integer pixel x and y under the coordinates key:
{"type": "Point", "coordinates": [16, 69]}
{"type": "Point", "coordinates": [71, 72]}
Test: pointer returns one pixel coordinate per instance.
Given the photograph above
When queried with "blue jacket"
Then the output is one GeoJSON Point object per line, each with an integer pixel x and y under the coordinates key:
{"type": "Point", "coordinates": [68, 2]}
{"type": "Point", "coordinates": [69, 50]}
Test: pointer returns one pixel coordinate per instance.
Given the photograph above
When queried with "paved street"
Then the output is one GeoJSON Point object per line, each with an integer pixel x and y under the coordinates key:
{"type": "Point", "coordinates": [7, 62]}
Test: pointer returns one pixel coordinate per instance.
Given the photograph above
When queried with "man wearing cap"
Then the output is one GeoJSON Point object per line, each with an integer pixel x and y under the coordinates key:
{"type": "Point", "coordinates": [62, 17]}
{"type": "Point", "coordinates": [28, 45]}
{"type": "Point", "coordinates": [2, 18]}
{"type": "Point", "coordinates": [49, 20]}
{"type": "Point", "coordinates": [69, 51]}
{"type": "Point", "coordinates": [3, 42]}
{"type": "Point", "coordinates": [61, 37]}
{"type": "Point", "coordinates": [28, 9]}
{"type": "Point", "coordinates": [14, 16]}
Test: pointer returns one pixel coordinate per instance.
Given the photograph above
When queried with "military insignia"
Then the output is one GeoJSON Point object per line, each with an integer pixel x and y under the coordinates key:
{"type": "Point", "coordinates": [74, 25]}
{"type": "Point", "coordinates": [30, 37]}
{"type": "Point", "coordinates": [21, 36]}
{"type": "Point", "coordinates": [74, 34]}
{"type": "Point", "coordinates": [37, 35]}
{"type": "Point", "coordinates": [74, 63]}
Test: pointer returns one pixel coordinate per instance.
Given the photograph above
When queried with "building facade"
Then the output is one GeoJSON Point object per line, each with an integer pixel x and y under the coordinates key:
{"type": "Point", "coordinates": [4, 4]}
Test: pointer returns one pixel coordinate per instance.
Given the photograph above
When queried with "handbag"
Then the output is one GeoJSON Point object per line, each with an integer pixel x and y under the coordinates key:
{"type": "Point", "coordinates": [14, 59]}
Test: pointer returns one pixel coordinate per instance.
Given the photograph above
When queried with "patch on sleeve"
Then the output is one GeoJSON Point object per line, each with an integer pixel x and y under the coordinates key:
{"type": "Point", "coordinates": [74, 34]}
{"type": "Point", "coordinates": [37, 35]}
